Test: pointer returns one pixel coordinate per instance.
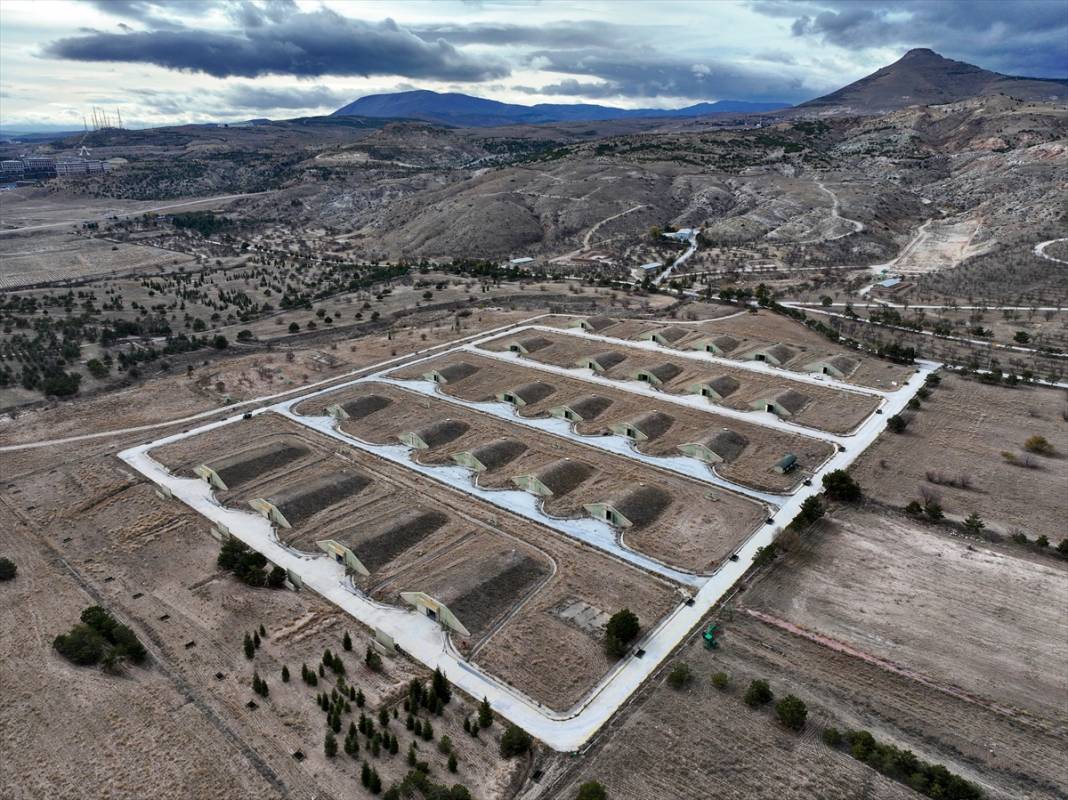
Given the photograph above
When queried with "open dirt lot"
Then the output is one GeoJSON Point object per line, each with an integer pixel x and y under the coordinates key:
{"type": "Point", "coordinates": [848, 656]}
{"type": "Point", "coordinates": [906, 593]}
{"type": "Point", "coordinates": [87, 533]}
{"type": "Point", "coordinates": [54, 255]}
{"type": "Point", "coordinates": [698, 526]}
{"type": "Point", "coordinates": [753, 466]}
{"type": "Point", "coordinates": [487, 562]}
{"type": "Point", "coordinates": [700, 742]}
{"type": "Point", "coordinates": [962, 430]}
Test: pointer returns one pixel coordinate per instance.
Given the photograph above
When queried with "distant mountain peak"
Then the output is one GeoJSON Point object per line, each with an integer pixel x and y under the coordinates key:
{"type": "Point", "coordinates": [924, 77]}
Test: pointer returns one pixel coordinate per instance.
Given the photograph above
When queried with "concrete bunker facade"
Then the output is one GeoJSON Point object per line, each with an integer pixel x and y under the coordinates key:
{"type": "Point", "coordinates": [636, 507]}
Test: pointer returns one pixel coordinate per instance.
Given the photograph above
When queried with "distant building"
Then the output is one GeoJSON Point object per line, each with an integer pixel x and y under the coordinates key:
{"type": "Point", "coordinates": [519, 262]}
{"type": "Point", "coordinates": [12, 170]}
{"type": "Point", "coordinates": [39, 167]}
{"type": "Point", "coordinates": [81, 166]}
{"type": "Point", "coordinates": [650, 269]}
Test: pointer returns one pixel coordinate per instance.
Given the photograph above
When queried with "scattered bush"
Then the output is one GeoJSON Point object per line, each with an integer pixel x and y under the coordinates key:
{"type": "Point", "coordinates": [758, 694]}
{"type": "Point", "coordinates": [8, 569]}
{"type": "Point", "coordinates": [514, 742]}
{"type": "Point", "coordinates": [765, 555]}
{"type": "Point", "coordinates": [832, 737]}
{"type": "Point", "coordinates": [839, 485]}
{"type": "Point", "coordinates": [811, 510]}
{"type": "Point", "coordinates": [897, 423]}
{"type": "Point", "coordinates": [974, 524]}
{"type": "Point", "coordinates": [82, 645]}
{"type": "Point", "coordinates": [100, 637]}
{"type": "Point", "coordinates": [791, 712]}
{"type": "Point", "coordinates": [591, 790]}
{"type": "Point", "coordinates": [721, 680]}
{"type": "Point", "coordinates": [1038, 445]}
{"type": "Point", "coordinates": [680, 676]}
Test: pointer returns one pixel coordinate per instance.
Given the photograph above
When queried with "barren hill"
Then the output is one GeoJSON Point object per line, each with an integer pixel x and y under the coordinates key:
{"type": "Point", "coordinates": [923, 77]}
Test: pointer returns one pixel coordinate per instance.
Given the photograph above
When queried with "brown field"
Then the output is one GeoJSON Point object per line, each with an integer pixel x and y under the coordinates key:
{"type": "Point", "coordinates": [699, 527]}
{"type": "Point", "coordinates": [59, 255]}
{"type": "Point", "coordinates": [700, 743]}
{"type": "Point", "coordinates": [482, 562]}
{"type": "Point", "coordinates": [825, 408]}
{"type": "Point", "coordinates": [762, 329]}
{"type": "Point", "coordinates": [86, 533]}
{"type": "Point", "coordinates": [962, 430]}
{"type": "Point", "coordinates": [904, 592]}
{"type": "Point", "coordinates": [901, 632]}
{"type": "Point", "coordinates": [752, 467]}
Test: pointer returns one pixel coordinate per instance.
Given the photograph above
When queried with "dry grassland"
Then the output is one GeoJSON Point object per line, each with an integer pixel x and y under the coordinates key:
{"type": "Point", "coordinates": [963, 430]}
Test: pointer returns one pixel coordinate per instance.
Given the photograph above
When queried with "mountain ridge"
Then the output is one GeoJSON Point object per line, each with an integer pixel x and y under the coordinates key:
{"type": "Point", "coordinates": [455, 108]}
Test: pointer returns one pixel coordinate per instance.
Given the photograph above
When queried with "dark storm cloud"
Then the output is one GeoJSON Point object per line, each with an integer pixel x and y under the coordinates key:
{"type": "Point", "coordinates": [1024, 37]}
{"type": "Point", "coordinates": [301, 44]}
{"type": "Point", "coordinates": [648, 75]}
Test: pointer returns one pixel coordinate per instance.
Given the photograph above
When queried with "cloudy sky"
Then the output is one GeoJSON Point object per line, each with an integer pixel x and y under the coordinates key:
{"type": "Point", "coordinates": [170, 61]}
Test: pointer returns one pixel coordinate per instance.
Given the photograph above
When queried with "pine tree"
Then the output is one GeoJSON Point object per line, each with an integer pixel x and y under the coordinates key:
{"type": "Point", "coordinates": [263, 631]}
{"type": "Point", "coordinates": [383, 717]}
{"type": "Point", "coordinates": [365, 774]}
{"type": "Point", "coordinates": [485, 713]}
{"type": "Point", "coordinates": [376, 782]}
{"type": "Point", "coordinates": [394, 745]}
{"type": "Point", "coordinates": [285, 674]}
{"type": "Point", "coordinates": [417, 727]}
{"type": "Point", "coordinates": [328, 657]}
{"type": "Point", "coordinates": [256, 639]}
{"type": "Point", "coordinates": [322, 672]}
{"type": "Point", "coordinates": [347, 641]}
{"type": "Point", "coordinates": [467, 725]}
{"type": "Point", "coordinates": [250, 648]}
{"type": "Point", "coordinates": [441, 686]}
{"type": "Point", "coordinates": [409, 723]}
{"type": "Point", "coordinates": [452, 762]}
{"type": "Point", "coordinates": [330, 745]}
{"type": "Point", "coordinates": [411, 754]}
{"type": "Point", "coordinates": [359, 698]}
{"type": "Point", "coordinates": [376, 746]}
{"type": "Point", "coordinates": [352, 693]}
{"type": "Point", "coordinates": [428, 731]}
